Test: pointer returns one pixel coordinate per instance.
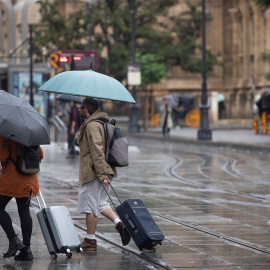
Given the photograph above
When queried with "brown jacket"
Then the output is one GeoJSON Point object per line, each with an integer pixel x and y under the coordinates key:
{"type": "Point", "coordinates": [92, 150]}
{"type": "Point", "coordinates": [13, 183]}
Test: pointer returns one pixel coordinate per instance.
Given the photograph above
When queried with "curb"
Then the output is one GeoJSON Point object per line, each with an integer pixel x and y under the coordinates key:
{"type": "Point", "coordinates": [239, 146]}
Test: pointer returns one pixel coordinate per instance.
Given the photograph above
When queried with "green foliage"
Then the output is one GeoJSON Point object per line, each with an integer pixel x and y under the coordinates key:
{"type": "Point", "coordinates": [114, 19]}
{"type": "Point", "coordinates": [173, 41]}
{"type": "Point", "coordinates": [59, 32]}
{"type": "Point", "coordinates": [262, 3]}
{"type": "Point", "coordinates": [152, 71]}
{"type": "Point", "coordinates": [186, 51]}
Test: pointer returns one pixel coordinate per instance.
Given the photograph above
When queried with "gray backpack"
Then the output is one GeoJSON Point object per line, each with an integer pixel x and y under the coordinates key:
{"type": "Point", "coordinates": [116, 150]}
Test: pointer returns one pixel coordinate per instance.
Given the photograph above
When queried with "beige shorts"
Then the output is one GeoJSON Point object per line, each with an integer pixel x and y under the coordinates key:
{"type": "Point", "coordinates": [92, 198]}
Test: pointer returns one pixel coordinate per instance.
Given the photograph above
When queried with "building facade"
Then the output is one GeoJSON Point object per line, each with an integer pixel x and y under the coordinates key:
{"type": "Point", "coordinates": [239, 30]}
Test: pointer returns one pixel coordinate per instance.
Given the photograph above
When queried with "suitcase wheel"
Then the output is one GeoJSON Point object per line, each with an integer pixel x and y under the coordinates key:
{"type": "Point", "coordinates": [53, 256]}
{"type": "Point", "coordinates": [68, 253]}
{"type": "Point", "coordinates": [79, 249]}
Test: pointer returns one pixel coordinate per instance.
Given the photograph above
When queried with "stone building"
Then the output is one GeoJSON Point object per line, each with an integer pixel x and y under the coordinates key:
{"type": "Point", "coordinates": [238, 30]}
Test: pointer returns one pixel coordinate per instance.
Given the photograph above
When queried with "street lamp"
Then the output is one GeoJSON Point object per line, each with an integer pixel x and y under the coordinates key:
{"type": "Point", "coordinates": [133, 127]}
{"type": "Point", "coordinates": [89, 5]}
{"type": "Point", "coordinates": [25, 8]}
{"type": "Point", "coordinates": [204, 132]}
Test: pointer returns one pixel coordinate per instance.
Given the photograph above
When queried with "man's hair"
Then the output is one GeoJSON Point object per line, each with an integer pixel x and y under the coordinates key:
{"type": "Point", "coordinates": [90, 104]}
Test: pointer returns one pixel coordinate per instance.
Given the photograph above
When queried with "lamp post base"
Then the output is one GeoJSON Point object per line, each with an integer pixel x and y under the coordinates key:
{"type": "Point", "coordinates": [204, 134]}
{"type": "Point", "coordinates": [134, 127]}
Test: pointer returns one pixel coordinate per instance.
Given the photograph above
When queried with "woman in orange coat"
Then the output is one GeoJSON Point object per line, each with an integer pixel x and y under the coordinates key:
{"type": "Point", "coordinates": [22, 187]}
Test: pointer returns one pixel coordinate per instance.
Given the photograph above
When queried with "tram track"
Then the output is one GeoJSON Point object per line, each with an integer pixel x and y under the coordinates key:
{"type": "Point", "coordinates": [170, 170]}
{"type": "Point", "coordinates": [144, 256]}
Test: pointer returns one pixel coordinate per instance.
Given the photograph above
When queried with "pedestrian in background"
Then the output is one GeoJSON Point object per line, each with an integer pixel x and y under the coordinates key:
{"type": "Point", "coordinates": [92, 198]}
{"type": "Point", "coordinates": [73, 127]}
{"type": "Point", "coordinates": [166, 118]}
{"type": "Point", "coordinates": [22, 187]}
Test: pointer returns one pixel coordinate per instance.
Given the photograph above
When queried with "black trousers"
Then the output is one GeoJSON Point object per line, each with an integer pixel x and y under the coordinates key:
{"type": "Point", "coordinates": [25, 218]}
{"type": "Point", "coordinates": [71, 143]}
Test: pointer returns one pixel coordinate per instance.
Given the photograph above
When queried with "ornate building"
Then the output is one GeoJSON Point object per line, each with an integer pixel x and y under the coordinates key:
{"type": "Point", "coordinates": [239, 30]}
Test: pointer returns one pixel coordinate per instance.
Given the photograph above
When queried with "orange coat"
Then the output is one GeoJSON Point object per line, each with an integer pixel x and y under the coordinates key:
{"type": "Point", "coordinates": [13, 183]}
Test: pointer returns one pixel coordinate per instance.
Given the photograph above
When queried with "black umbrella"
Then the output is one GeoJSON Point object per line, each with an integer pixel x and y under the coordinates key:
{"type": "Point", "coordinates": [20, 122]}
{"type": "Point", "coordinates": [66, 98]}
{"type": "Point", "coordinates": [265, 100]}
{"type": "Point", "coordinates": [172, 100]}
{"type": "Point", "coordinates": [186, 100]}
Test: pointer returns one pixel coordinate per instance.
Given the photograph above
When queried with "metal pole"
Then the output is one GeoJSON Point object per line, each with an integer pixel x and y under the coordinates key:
{"type": "Point", "coordinates": [133, 127]}
{"type": "Point", "coordinates": [31, 66]}
{"type": "Point", "coordinates": [204, 132]}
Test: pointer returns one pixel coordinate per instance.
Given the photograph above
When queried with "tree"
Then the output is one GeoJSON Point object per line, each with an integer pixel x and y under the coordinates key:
{"type": "Point", "coordinates": [185, 51]}
{"type": "Point", "coordinates": [59, 32]}
{"type": "Point", "coordinates": [262, 3]}
{"type": "Point", "coordinates": [152, 71]}
{"type": "Point", "coordinates": [112, 23]}
{"type": "Point", "coordinates": [172, 39]}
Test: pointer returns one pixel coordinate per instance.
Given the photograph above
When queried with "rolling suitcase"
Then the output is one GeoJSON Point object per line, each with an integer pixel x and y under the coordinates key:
{"type": "Point", "coordinates": [139, 223]}
{"type": "Point", "coordinates": [58, 229]}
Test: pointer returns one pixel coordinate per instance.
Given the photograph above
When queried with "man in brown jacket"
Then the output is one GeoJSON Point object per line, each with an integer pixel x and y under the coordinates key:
{"type": "Point", "coordinates": [92, 198]}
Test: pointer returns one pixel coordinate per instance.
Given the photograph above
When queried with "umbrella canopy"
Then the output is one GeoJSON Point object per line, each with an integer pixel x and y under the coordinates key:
{"type": "Point", "coordinates": [66, 98]}
{"type": "Point", "coordinates": [20, 122]}
{"type": "Point", "coordinates": [220, 97]}
{"type": "Point", "coordinates": [87, 83]}
{"type": "Point", "coordinates": [172, 100]}
{"type": "Point", "coordinates": [186, 100]}
{"type": "Point", "coordinates": [265, 100]}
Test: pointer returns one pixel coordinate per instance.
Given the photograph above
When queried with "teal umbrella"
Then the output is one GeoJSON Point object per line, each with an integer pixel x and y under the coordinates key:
{"type": "Point", "coordinates": [87, 83]}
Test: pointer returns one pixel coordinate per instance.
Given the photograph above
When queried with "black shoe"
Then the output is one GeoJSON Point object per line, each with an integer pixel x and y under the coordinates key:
{"type": "Point", "coordinates": [15, 244]}
{"type": "Point", "coordinates": [24, 255]}
{"type": "Point", "coordinates": [125, 236]}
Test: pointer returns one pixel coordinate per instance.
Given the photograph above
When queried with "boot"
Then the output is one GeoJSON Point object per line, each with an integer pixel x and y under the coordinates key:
{"type": "Point", "coordinates": [125, 236]}
{"type": "Point", "coordinates": [24, 255]}
{"type": "Point", "coordinates": [14, 244]}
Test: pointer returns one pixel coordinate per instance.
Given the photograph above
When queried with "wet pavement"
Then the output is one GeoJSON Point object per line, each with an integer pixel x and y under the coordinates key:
{"type": "Point", "coordinates": [211, 200]}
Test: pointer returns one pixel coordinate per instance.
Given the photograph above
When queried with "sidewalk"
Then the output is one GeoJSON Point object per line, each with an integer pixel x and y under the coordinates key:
{"type": "Point", "coordinates": [226, 133]}
{"type": "Point", "coordinates": [184, 246]}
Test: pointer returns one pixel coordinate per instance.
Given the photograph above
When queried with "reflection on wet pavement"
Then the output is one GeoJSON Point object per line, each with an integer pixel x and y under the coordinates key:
{"type": "Point", "coordinates": [212, 204]}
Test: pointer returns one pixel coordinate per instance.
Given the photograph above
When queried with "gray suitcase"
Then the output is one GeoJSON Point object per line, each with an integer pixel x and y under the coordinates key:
{"type": "Point", "coordinates": [58, 230]}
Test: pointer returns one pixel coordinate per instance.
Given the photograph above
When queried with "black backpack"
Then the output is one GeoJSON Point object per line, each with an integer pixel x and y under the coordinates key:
{"type": "Point", "coordinates": [116, 150]}
{"type": "Point", "coordinates": [28, 159]}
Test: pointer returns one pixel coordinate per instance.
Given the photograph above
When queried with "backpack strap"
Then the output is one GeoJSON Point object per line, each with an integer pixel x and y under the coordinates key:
{"type": "Point", "coordinates": [105, 132]}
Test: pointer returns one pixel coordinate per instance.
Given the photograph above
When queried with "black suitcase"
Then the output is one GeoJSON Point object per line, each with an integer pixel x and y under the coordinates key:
{"type": "Point", "coordinates": [139, 223]}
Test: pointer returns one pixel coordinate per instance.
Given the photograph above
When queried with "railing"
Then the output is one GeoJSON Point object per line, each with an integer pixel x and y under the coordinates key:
{"type": "Point", "coordinates": [59, 126]}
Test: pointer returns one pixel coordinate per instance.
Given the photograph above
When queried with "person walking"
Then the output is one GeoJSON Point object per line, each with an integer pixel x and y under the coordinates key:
{"type": "Point", "coordinates": [166, 118]}
{"type": "Point", "coordinates": [73, 127]}
{"type": "Point", "coordinates": [22, 187]}
{"type": "Point", "coordinates": [92, 198]}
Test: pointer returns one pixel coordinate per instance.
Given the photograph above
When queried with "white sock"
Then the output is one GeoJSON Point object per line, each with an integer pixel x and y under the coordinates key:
{"type": "Point", "coordinates": [116, 221]}
{"type": "Point", "coordinates": [91, 236]}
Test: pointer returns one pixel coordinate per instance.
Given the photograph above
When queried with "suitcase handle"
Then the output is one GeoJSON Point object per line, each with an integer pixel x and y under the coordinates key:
{"type": "Point", "coordinates": [109, 194]}
{"type": "Point", "coordinates": [42, 199]}
{"type": "Point", "coordinates": [133, 227]}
